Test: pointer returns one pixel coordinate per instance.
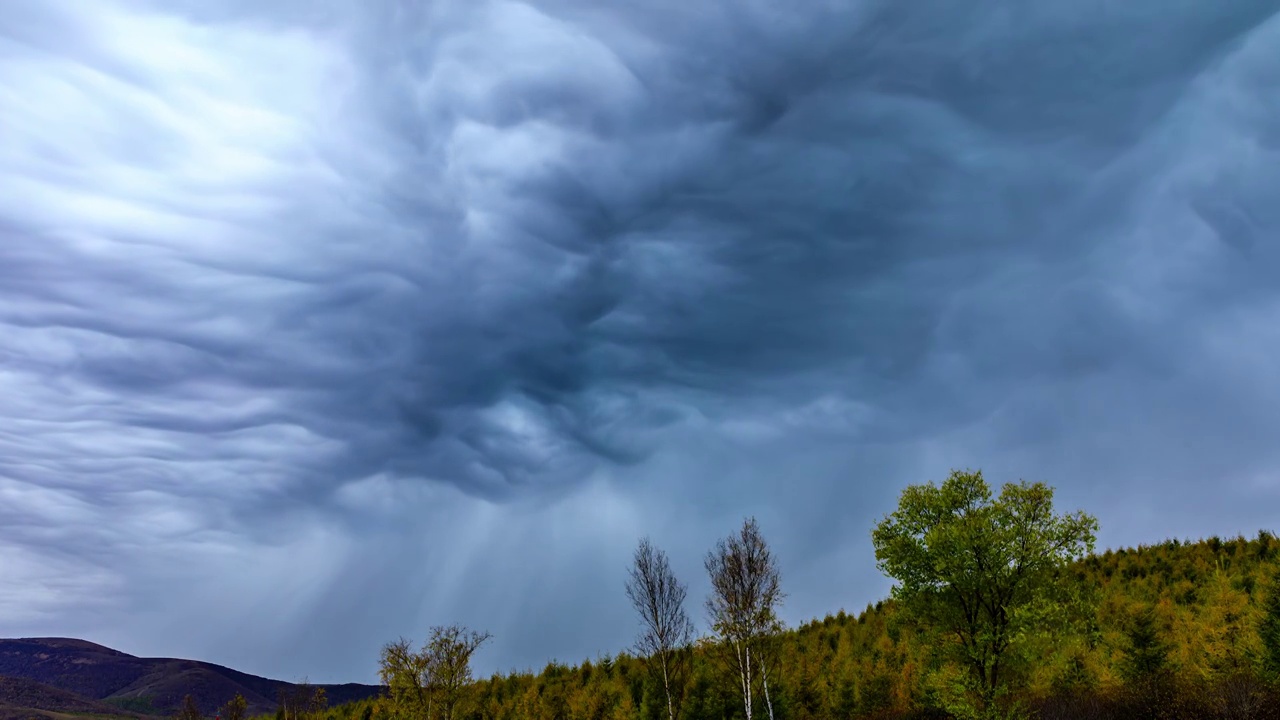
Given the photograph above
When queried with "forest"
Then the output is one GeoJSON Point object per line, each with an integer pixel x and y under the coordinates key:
{"type": "Point", "coordinates": [1000, 609]}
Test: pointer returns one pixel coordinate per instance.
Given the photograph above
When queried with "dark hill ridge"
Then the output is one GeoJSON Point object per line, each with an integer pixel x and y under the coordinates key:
{"type": "Point", "coordinates": [153, 685]}
{"type": "Point", "coordinates": [23, 697]}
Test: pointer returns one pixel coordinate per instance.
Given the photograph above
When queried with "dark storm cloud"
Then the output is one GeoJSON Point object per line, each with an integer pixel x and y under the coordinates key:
{"type": "Point", "coordinates": [317, 283]}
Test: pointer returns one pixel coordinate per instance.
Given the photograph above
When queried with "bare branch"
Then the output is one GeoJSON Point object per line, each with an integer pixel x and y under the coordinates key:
{"type": "Point", "coordinates": [658, 597]}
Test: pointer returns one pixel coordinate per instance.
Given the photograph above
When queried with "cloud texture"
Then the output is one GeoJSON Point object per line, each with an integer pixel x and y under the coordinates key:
{"type": "Point", "coordinates": [367, 316]}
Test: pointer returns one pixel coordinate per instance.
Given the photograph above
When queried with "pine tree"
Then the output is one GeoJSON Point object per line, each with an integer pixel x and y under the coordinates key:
{"type": "Point", "coordinates": [1269, 630]}
{"type": "Point", "coordinates": [845, 705]}
{"type": "Point", "coordinates": [1148, 655]}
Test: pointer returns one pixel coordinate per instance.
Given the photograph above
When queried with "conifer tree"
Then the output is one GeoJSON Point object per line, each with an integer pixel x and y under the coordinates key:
{"type": "Point", "coordinates": [1269, 630]}
{"type": "Point", "coordinates": [1147, 656]}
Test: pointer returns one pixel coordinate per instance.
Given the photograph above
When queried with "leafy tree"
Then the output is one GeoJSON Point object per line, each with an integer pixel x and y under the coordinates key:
{"type": "Point", "coordinates": [235, 708]}
{"type": "Point", "coordinates": [980, 570]}
{"type": "Point", "coordinates": [407, 677]}
{"type": "Point", "coordinates": [449, 651]}
{"type": "Point", "coordinates": [429, 682]}
{"type": "Point", "coordinates": [318, 702]}
{"type": "Point", "coordinates": [658, 596]}
{"type": "Point", "coordinates": [188, 710]}
{"type": "Point", "coordinates": [746, 592]}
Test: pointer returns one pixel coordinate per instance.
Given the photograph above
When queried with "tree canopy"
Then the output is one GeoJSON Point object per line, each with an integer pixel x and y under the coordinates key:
{"type": "Point", "coordinates": [981, 571]}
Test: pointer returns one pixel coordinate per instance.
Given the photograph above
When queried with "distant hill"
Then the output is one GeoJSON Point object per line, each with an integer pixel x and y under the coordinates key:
{"type": "Point", "coordinates": [87, 672]}
{"type": "Point", "coordinates": [23, 698]}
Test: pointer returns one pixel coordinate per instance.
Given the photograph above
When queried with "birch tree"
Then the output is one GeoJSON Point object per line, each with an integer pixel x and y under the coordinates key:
{"type": "Point", "coordinates": [745, 594]}
{"type": "Point", "coordinates": [407, 677]}
{"type": "Point", "coordinates": [666, 631]}
{"type": "Point", "coordinates": [449, 652]}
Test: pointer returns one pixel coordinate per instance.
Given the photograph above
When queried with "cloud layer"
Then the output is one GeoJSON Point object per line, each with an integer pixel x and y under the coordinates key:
{"type": "Point", "coordinates": [375, 315]}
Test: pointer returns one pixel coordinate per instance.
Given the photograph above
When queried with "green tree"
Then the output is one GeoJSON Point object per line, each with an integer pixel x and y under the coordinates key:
{"type": "Point", "coordinates": [1269, 631]}
{"type": "Point", "coordinates": [430, 682]}
{"type": "Point", "coordinates": [876, 694]}
{"type": "Point", "coordinates": [406, 675]}
{"type": "Point", "coordinates": [702, 701]}
{"type": "Point", "coordinates": [982, 571]}
{"type": "Point", "coordinates": [235, 708]}
{"type": "Point", "coordinates": [449, 652]}
{"type": "Point", "coordinates": [844, 705]}
{"type": "Point", "coordinates": [1147, 656]}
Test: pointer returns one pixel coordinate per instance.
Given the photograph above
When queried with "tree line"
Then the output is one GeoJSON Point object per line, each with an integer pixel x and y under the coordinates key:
{"type": "Point", "coordinates": [1000, 609]}
{"type": "Point", "coordinates": [977, 572]}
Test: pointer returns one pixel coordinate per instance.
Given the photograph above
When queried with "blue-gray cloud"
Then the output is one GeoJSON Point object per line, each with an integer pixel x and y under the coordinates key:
{"type": "Point", "coordinates": [383, 314]}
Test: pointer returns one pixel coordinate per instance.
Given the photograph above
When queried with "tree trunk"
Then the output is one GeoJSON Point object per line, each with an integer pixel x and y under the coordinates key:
{"type": "Point", "coordinates": [764, 675]}
{"type": "Point", "coordinates": [666, 686]}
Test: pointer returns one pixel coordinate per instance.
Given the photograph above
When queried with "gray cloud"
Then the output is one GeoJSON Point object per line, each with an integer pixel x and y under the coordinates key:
{"type": "Point", "coordinates": [375, 316]}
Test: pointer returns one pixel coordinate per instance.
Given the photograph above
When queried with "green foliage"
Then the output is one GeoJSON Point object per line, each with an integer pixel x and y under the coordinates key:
{"type": "Point", "coordinates": [1147, 656]}
{"type": "Point", "coordinates": [844, 705]}
{"type": "Point", "coordinates": [1269, 631]}
{"type": "Point", "coordinates": [431, 682]}
{"type": "Point", "coordinates": [235, 708]}
{"type": "Point", "coordinates": [982, 574]}
{"type": "Point", "coordinates": [1213, 622]}
{"type": "Point", "coordinates": [143, 704]}
{"type": "Point", "coordinates": [700, 703]}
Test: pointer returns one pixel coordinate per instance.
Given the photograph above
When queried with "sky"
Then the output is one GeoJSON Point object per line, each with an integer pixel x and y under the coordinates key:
{"type": "Point", "coordinates": [322, 323]}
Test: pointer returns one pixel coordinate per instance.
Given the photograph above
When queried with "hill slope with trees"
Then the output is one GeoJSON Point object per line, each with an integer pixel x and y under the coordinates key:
{"type": "Point", "coordinates": [1172, 630]}
{"type": "Point", "coordinates": [1202, 605]}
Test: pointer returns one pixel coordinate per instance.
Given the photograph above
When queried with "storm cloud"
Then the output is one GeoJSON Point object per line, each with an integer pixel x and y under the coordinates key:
{"type": "Point", "coordinates": [323, 322]}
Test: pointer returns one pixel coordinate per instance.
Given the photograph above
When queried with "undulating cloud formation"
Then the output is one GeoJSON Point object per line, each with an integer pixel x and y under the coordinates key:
{"type": "Point", "coordinates": [321, 323]}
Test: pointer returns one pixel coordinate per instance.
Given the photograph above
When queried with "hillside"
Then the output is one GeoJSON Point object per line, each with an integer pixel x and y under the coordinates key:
{"type": "Point", "coordinates": [1206, 597]}
{"type": "Point", "coordinates": [92, 672]}
{"type": "Point", "coordinates": [24, 698]}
